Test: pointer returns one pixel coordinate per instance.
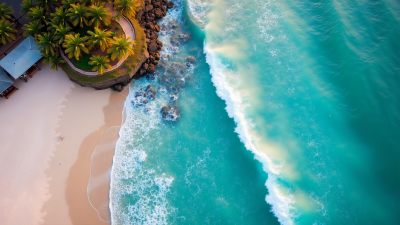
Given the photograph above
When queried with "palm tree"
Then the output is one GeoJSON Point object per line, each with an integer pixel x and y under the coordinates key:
{"type": "Point", "coordinates": [67, 3]}
{"type": "Point", "coordinates": [120, 47]}
{"type": "Point", "coordinates": [98, 37]}
{"type": "Point", "coordinates": [47, 5]}
{"type": "Point", "coordinates": [37, 13]}
{"type": "Point", "coordinates": [47, 43]}
{"type": "Point", "coordinates": [99, 15]}
{"type": "Point", "coordinates": [74, 45]}
{"type": "Point", "coordinates": [60, 31]}
{"type": "Point", "coordinates": [78, 14]}
{"type": "Point", "coordinates": [101, 1]}
{"type": "Point", "coordinates": [59, 16]}
{"type": "Point", "coordinates": [26, 5]}
{"type": "Point", "coordinates": [33, 27]}
{"type": "Point", "coordinates": [126, 7]}
{"type": "Point", "coordinates": [5, 12]}
{"type": "Point", "coordinates": [53, 60]}
{"type": "Point", "coordinates": [100, 63]}
{"type": "Point", "coordinates": [7, 32]}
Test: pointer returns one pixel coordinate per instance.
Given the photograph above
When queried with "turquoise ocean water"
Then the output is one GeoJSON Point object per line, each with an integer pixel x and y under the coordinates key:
{"type": "Point", "coordinates": [290, 114]}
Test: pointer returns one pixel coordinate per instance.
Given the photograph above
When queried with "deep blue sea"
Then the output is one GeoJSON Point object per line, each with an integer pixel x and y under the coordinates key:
{"type": "Point", "coordinates": [289, 114]}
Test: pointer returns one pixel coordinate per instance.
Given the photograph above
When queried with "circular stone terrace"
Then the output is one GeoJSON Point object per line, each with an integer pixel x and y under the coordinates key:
{"type": "Point", "coordinates": [129, 31]}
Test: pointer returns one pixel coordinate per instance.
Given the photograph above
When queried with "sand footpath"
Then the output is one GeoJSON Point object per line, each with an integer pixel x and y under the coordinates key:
{"type": "Point", "coordinates": [56, 146]}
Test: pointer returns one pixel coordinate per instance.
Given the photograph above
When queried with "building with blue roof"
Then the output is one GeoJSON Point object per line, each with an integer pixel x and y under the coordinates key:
{"type": "Point", "coordinates": [6, 84]}
{"type": "Point", "coordinates": [21, 58]}
{"type": "Point", "coordinates": [17, 64]}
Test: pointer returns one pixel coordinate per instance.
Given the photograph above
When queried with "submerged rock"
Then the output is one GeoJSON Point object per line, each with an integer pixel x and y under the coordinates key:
{"type": "Point", "coordinates": [173, 98]}
{"type": "Point", "coordinates": [142, 97]}
{"type": "Point", "coordinates": [170, 5]}
{"type": "Point", "coordinates": [170, 113]}
{"type": "Point", "coordinates": [190, 59]}
{"type": "Point", "coordinates": [150, 92]}
{"type": "Point", "coordinates": [139, 100]}
{"type": "Point", "coordinates": [184, 37]}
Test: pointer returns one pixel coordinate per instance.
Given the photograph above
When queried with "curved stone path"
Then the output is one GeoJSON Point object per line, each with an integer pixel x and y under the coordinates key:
{"type": "Point", "coordinates": [129, 31]}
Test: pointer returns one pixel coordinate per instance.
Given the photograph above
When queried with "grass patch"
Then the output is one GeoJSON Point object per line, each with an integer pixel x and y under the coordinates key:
{"type": "Point", "coordinates": [83, 62]}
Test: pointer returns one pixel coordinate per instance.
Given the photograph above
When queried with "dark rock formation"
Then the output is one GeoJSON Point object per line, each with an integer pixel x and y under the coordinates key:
{"type": "Point", "coordinates": [170, 113]}
{"type": "Point", "coordinates": [144, 96]}
{"type": "Point", "coordinates": [153, 47]}
{"type": "Point", "coordinates": [117, 87]}
{"type": "Point", "coordinates": [150, 92]}
{"type": "Point", "coordinates": [170, 5]}
{"type": "Point", "coordinates": [173, 98]}
{"type": "Point", "coordinates": [151, 13]}
{"type": "Point", "coordinates": [191, 59]}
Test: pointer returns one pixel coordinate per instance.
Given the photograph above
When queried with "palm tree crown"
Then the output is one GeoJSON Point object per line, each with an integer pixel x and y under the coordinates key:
{"type": "Point", "coordinates": [126, 7]}
{"type": "Point", "coordinates": [33, 27]}
{"type": "Point", "coordinates": [74, 45]}
{"type": "Point", "coordinates": [26, 5]}
{"type": "Point", "coordinates": [78, 14]}
{"type": "Point", "coordinates": [36, 13]}
{"type": "Point", "coordinates": [47, 44]}
{"type": "Point", "coordinates": [69, 2]}
{"type": "Point", "coordinates": [120, 47]}
{"type": "Point", "coordinates": [5, 12]}
{"type": "Point", "coordinates": [99, 15]}
{"type": "Point", "coordinates": [100, 38]}
{"type": "Point", "coordinates": [7, 32]}
{"type": "Point", "coordinates": [99, 63]}
{"type": "Point", "coordinates": [53, 60]}
{"type": "Point", "coordinates": [59, 16]}
{"type": "Point", "coordinates": [60, 31]}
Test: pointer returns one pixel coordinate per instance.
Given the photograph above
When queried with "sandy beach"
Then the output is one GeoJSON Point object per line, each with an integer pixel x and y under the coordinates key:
{"type": "Point", "coordinates": [57, 142]}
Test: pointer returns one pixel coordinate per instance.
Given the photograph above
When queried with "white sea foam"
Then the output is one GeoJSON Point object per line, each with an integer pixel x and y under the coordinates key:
{"type": "Point", "coordinates": [198, 10]}
{"type": "Point", "coordinates": [268, 20]}
{"type": "Point", "coordinates": [225, 57]}
{"type": "Point", "coordinates": [282, 203]}
{"type": "Point", "coordinates": [139, 191]}
{"type": "Point", "coordinates": [138, 194]}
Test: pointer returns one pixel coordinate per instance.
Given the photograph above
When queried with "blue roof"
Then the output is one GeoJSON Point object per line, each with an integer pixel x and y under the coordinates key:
{"type": "Point", "coordinates": [5, 81]}
{"type": "Point", "coordinates": [21, 58]}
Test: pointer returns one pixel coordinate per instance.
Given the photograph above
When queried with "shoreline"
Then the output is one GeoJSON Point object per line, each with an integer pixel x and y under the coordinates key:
{"type": "Point", "coordinates": [73, 140]}
{"type": "Point", "coordinates": [77, 197]}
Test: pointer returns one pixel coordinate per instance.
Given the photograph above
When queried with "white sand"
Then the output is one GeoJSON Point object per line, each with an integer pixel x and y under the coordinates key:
{"type": "Point", "coordinates": [28, 138]}
{"type": "Point", "coordinates": [45, 129]}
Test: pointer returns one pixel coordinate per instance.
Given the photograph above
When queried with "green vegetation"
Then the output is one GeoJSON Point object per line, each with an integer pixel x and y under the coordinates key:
{"type": "Point", "coordinates": [100, 38]}
{"type": "Point", "coordinates": [100, 63]}
{"type": "Point", "coordinates": [7, 28]}
{"type": "Point", "coordinates": [83, 62]}
{"type": "Point", "coordinates": [74, 45]}
{"type": "Point", "coordinates": [120, 47]}
{"type": "Point", "coordinates": [80, 29]}
{"type": "Point", "coordinates": [127, 7]}
{"type": "Point", "coordinates": [132, 62]}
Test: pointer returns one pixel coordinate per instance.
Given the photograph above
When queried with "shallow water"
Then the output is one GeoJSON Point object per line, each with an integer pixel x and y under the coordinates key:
{"type": "Point", "coordinates": [310, 89]}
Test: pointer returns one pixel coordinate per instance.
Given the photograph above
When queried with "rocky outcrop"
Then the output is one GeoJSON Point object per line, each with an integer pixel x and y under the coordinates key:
{"type": "Point", "coordinates": [170, 113]}
{"type": "Point", "coordinates": [153, 11]}
{"type": "Point", "coordinates": [144, 96]}
{"type": "Point", "coordinates": [115, 83]}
